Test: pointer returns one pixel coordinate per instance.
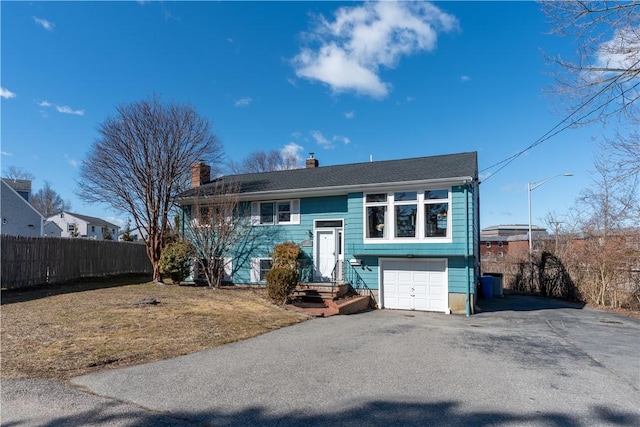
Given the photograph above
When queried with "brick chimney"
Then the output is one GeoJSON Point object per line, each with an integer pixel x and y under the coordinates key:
{"type": "Point", "coordinates": [311, 162]}
{"type": "Point", "coordinates": [200, 174]}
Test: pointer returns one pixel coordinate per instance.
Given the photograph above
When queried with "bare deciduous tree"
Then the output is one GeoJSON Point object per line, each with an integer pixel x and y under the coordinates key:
{"type": "Point", "coordinates": [142, 159]}
{"type": "Point", "coordinates": [263, 161]}
{"type": "Point", "coordinates": [14, 172]}
{"type": "Point", "coordinates": [604, 75]}
{"type": "Point", "coordinates": [48, 202]}
{"type": "Point", "coordinates": [623, 150]}
{"type": "Point", "coordinates": [215, 226]}
{"type": "Point", "coordinates": [600, 249]}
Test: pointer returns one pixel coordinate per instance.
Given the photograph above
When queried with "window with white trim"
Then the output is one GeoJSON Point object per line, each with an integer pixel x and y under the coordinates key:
{"type": "Point", "coordinates": [407, 215]}
{"type": "Point", "coordinates": [436, 215]}
{"type": "Point", "coordinates": [282, 212]}
{"type": "Point", "coordinates": [376, 213]}
{"type": "Point", "coordinates": [259, 268]}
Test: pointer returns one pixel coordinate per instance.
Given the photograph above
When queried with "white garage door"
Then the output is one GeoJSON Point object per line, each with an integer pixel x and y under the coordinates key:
{"type": "Point", "coordinates": [415, 284]}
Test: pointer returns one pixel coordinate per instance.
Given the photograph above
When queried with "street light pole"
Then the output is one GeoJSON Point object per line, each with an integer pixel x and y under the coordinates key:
{"type": "Point", "coordinates": [530, 187]}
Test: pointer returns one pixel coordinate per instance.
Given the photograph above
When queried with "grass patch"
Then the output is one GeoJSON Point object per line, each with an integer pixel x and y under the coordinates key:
{"type": "Point", "coordinates": [64, 334]}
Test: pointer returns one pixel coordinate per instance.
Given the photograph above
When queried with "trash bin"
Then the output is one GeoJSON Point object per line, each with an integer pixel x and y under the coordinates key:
{"type": "Point", "coordinates": [486, 282]}
{"type": "Point", "coordinates": [498, 286]}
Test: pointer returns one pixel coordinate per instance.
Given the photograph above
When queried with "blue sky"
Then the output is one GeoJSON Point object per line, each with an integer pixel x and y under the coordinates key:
{"type": "Point", "coordinates": [321, 77]}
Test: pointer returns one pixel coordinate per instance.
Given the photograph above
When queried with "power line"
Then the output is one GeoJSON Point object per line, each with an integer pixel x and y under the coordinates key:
{"type": "Point", "coordinates": [552, 132]}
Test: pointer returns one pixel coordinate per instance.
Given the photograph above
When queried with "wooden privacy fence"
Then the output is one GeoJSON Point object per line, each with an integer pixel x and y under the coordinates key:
{"type": "Point", "coordinates": [33, 261]}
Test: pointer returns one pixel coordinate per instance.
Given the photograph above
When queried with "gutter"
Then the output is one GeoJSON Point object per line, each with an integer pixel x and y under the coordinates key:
{"type": "Point", "coordinates": [466, 256]}
{"type": "Point", "coordinates": [338, 190]}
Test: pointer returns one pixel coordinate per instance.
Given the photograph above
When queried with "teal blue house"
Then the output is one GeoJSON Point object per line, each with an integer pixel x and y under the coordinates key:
{"type": "Point", "coordinates": [407, 231]}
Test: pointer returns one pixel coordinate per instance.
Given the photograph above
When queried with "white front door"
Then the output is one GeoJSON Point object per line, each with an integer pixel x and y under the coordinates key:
{"type": "Point", "coordinates": [326, 253]}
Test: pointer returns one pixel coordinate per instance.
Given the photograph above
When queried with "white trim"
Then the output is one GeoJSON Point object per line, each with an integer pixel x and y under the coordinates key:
{"type": "Point", "coordinates": [228, 269]}
{"type": "Point", "coordinates": [255, 269]}
{"type": "Point", "coordinates": [390, 224]}
{"type": "Point", "coordinates": [299, 193]}
{"type": "Point", "coordinates": [337, 232]}
{"type": "Point", "coordinates": [294, 212]}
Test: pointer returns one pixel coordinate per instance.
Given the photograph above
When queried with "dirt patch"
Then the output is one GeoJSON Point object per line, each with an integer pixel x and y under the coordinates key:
{"type": "Point", "coordinates": [66, 331]}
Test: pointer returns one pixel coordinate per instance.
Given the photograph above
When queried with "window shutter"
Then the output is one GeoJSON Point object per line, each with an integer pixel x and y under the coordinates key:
{"type": "Point", "coordinates": [255, 213]}
{"type": "Point", "coordinates": [255, 270]}
{"type": "Point", "coordinates": [295, 211]}
{"type": "Point", "coordinates": [228, 269]}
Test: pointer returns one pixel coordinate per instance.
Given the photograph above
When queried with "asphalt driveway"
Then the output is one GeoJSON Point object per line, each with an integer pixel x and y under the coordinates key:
{"type": "Point", "coordinates": [523, 361]}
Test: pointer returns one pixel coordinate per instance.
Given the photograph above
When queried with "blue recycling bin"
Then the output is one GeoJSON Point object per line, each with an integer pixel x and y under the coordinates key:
{"type": "Point", "coordinates": [486, 282]}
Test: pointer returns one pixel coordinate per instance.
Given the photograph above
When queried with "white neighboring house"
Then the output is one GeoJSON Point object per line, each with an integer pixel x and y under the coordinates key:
{"type": "Point", "coordinates": [88, 227]}
{"type": "Point", "coordinates": [19, 217]}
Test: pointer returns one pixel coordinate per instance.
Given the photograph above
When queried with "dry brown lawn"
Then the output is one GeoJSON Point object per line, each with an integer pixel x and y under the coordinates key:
{"type": "Point", "coordinates": [74, 329]}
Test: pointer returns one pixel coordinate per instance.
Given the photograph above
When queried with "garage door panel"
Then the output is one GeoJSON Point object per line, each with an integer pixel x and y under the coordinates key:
{"type": "Point", "coordinates": [415, 284]}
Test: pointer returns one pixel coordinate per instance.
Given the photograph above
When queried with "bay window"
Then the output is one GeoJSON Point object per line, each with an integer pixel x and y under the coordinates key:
{"type": "Point", "coordinates": [408, 215]}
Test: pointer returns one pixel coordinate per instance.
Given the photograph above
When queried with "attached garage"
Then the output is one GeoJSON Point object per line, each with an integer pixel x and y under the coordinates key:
{"type": "Point", "coordinates": [414, 284]}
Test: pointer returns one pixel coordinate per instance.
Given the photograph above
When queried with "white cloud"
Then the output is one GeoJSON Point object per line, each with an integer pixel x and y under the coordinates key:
{"type": "Point", "coordinates": [6, 93]}
{"type": "Point", "coordinates": [342, 139]}
{"type": "Point", "coordinates": [47, 25]}
{"type": "Point", "coordinates": [68, 110]}
{"type": "Point", "coordinates": [361, 39]}
{"type": "Point", "coordinates": [243, 102]}
{"type": "Point", "coordinates": [326, 142]}
{"type": "Point", "coordinates": [6, 153]}
{"type": "Point", "coordinates": [321, 140]}
{"type": "Point", "coordinates": [64, 109]}
{"type": "Point", "coordinates": [73, 162]}
{"type": "Point", "coordinates": [350, 114]}
{"type": "Point", "coordinates": [293, 152]}
{"type": "Point", "coordinates": [465, 79]}
{"type": "Point", "coordinates": [621, 52]}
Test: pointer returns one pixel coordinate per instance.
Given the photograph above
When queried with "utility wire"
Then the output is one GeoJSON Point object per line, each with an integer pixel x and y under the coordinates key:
{"type": "Point", "coordinates": [552, 132]}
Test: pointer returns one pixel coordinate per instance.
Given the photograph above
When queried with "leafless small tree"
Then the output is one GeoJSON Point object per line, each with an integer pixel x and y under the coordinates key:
{"type": "Point", "coordinates": [48, 202]}
{"type": "Point", "coordinates": [142, 159]}
{"type": "Point", "coordinates": [622, 150]}
{"type": "Point", "coordinates": [265, 161]}
{"type": "Point", "coordinates": [601, 251]}
{"type": "Point", "coordinates": [14, 172]}
{"type": "Point", "coordinates": [604, 75]}
{"type": "Point", "coordinates": [216, 225]}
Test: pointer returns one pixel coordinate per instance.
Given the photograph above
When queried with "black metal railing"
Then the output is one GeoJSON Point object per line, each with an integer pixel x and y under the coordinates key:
{"type": "Point", "coordinates": [306, 270]}
{"type": "Point", "coordinates": [356, 282]}
{"type": "Point", "coordinates": [342, 273]}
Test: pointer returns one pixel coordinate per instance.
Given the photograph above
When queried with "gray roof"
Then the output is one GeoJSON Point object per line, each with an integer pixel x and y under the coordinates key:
{"type": "Point", "coordinates": [354, 174]}
{"type": "Point", "coordinates": [93, 220]}
{"type": "Point", "coordinates": [18, 184]}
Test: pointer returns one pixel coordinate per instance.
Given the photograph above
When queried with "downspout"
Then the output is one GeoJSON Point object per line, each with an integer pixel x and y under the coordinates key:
{"type": "Point", "coordinates": [466, 254]}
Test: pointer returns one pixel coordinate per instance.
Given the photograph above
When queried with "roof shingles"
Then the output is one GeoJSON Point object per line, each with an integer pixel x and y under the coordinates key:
{"type": "Point", "coordinates": [389, 171]}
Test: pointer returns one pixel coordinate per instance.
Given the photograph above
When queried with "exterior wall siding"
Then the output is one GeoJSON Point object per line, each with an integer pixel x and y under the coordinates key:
{"type": "Point", "coordinates": [264, 238]}
{"type": "Point", "coordinates": [461, 265]}
{"type": "Point", "coordinates": [19, 218]}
